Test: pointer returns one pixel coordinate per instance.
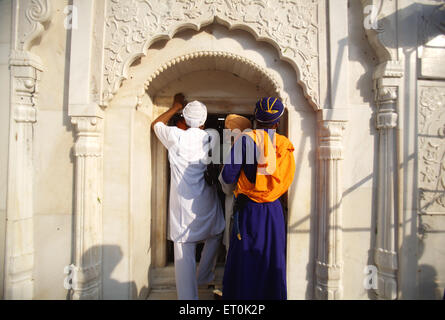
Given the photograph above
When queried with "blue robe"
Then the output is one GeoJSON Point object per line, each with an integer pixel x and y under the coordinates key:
{"type": "Point", "coordinates": [256, 265]}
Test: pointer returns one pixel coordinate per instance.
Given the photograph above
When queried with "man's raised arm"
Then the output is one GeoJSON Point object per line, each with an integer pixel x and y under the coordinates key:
{"type": "Point", "coordinates": [178, 103]}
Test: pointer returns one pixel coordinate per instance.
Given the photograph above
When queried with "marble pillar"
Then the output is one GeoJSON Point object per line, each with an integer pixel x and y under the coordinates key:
{"type": "Point", "coordinates": [86, 279]}
{"type": "Point", "coordinates": [385, 251]}
{"type": "Point", "coordinates": [329, 263]}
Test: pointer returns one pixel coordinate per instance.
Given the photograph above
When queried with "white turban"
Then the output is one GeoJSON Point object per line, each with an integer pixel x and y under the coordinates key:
{"type": "Point", "coordinates": [195, 114]}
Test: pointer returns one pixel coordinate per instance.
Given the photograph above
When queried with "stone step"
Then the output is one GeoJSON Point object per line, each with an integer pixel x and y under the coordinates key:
{"type": "Point", "coordinates": [170, 294]}
{"type": "Point", "coordinates": [164, 285]}
{"type": "Point", "coordinates": [165, 277]}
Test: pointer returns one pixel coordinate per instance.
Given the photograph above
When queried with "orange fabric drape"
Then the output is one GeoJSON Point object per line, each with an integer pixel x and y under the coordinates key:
{"type": "Point", "coordinates": [275, 170]}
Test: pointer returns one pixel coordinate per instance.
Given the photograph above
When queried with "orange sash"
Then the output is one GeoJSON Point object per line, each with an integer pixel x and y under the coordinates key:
{"type": "Point", "coordinates": [275, 170]}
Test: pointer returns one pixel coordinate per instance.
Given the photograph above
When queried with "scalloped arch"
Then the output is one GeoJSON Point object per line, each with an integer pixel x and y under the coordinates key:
{"type": "Point", "coordinates": [133, 25]}
{"type": "Point", "coordinates": [208, 61]}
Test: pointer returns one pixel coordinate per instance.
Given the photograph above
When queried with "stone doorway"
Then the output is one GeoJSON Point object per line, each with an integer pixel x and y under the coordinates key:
{"type": "Point", "coordinates": [163, 280]}
{"type": "Point", "coordinates": [228, 81]}
{"type": "Point", "coordinates": [236, 96]}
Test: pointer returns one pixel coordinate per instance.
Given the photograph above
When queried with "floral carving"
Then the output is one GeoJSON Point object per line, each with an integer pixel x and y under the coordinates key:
{"type": "Point", "coordinates": [36, 13]}
{"type": "Point", "coordinates": [431, 157]}
{"type": "Point", "coordinates": [124, 11]}
{"type": "Point", "coordinates": [291, 26]}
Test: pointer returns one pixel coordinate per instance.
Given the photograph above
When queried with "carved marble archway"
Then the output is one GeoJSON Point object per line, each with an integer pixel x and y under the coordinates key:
{"type": "Point", "coordinates": [130, 27]}
{"type": "Point", "coordinates": [133, 25]}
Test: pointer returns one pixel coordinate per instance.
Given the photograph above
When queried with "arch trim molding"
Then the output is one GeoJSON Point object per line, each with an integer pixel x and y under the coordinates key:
{"type": "Point", "coordinates": [270, 83]}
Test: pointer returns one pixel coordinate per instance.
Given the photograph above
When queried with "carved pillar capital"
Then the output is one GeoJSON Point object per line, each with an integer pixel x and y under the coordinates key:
{"type": "Point", "coordinates": [86, 124]}
{"type": "Point", "coordinates": [387, 78]}
{"type": "Point", "coordinates": [386, 120]}
{"type": "Point", "coordinates": [330, 134]}
{"type": "Point", "coordinates": [386, 95]}
{"type": "Point", "coordinates": [331, 129]}
{"type": "Point", "coordinates": [386, 100]}
{"type": "Point", "coordinates": [88, 132]}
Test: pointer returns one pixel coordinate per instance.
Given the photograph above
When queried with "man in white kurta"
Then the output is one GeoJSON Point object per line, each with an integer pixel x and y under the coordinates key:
{"type": "Point", "coordinates": [195, 213]}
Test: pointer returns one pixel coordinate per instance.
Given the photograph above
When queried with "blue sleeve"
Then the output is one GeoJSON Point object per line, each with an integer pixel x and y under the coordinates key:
{"type": "Point", "coordinates": [242, 157]}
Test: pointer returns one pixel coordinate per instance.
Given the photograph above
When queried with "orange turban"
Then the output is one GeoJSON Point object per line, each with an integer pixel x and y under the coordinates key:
{"type": "Point", "coordinates": [234, 121]}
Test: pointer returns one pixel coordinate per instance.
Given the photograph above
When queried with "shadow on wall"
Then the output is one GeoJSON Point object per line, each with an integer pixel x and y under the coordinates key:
{"type": "Point", "coordinates": [113, 289]}
{"type": "Point", "coordinates": [430, 286]}
{"type": "Point", "coordinates": [427, 274]}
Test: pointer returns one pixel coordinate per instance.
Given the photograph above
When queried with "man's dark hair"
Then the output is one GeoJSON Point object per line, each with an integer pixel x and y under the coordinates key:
{"type": "Point", "coordinates": [260, 125]}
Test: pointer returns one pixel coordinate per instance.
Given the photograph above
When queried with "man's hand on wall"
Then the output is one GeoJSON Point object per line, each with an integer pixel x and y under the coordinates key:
{"type": "Point", "coordinates": [179, 101]}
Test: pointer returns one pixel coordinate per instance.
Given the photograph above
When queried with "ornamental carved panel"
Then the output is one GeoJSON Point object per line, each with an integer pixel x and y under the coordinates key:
{"type": "Point", "coordinates": [431, 149]}
{"type": "Point", "coordinates": [291, 26]}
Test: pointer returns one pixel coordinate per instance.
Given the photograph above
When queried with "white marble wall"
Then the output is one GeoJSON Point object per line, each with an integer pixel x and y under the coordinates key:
{"type": "Point", "coordinates": [360, 147]}
{"type": "Point", "coordinates": [421, 217]}
{"type": "Point", "coordinates": [409, 280]}
{"type": "Point", "coordinates": [127, 159]}
{"type": "Point", "coordinates": [53, 164]}
{"type": "Point", "coordinates": [5, 39]}
{"type": "Point", "coordinates": [126, 203]}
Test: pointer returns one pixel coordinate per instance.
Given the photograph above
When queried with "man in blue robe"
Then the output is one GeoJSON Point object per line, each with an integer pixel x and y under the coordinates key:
{"type": "Point", "coordinates": [256, 261]}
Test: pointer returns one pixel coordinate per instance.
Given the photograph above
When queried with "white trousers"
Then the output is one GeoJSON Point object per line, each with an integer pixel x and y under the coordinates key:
{"type": "Point", "coordinates": [187, 279]}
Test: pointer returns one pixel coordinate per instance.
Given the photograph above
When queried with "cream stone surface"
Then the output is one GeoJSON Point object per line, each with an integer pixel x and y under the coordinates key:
{"type": "Point", "coordinates": [5, 39]}
{"type": "Point", "coordinates": [53, 164]}
{"type": "Point", "coordinates": [84, 182]}
{"type": "Point", "coordinates": [358, 180]}
{"type": "Point", "coordinates": [301, 195]}
{"type": "Point", "coordinates": [53, 232]}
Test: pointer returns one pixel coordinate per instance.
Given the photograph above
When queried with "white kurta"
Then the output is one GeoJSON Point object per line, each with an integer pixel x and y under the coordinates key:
{"type": "Point", "coordinates": [195, 212]}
